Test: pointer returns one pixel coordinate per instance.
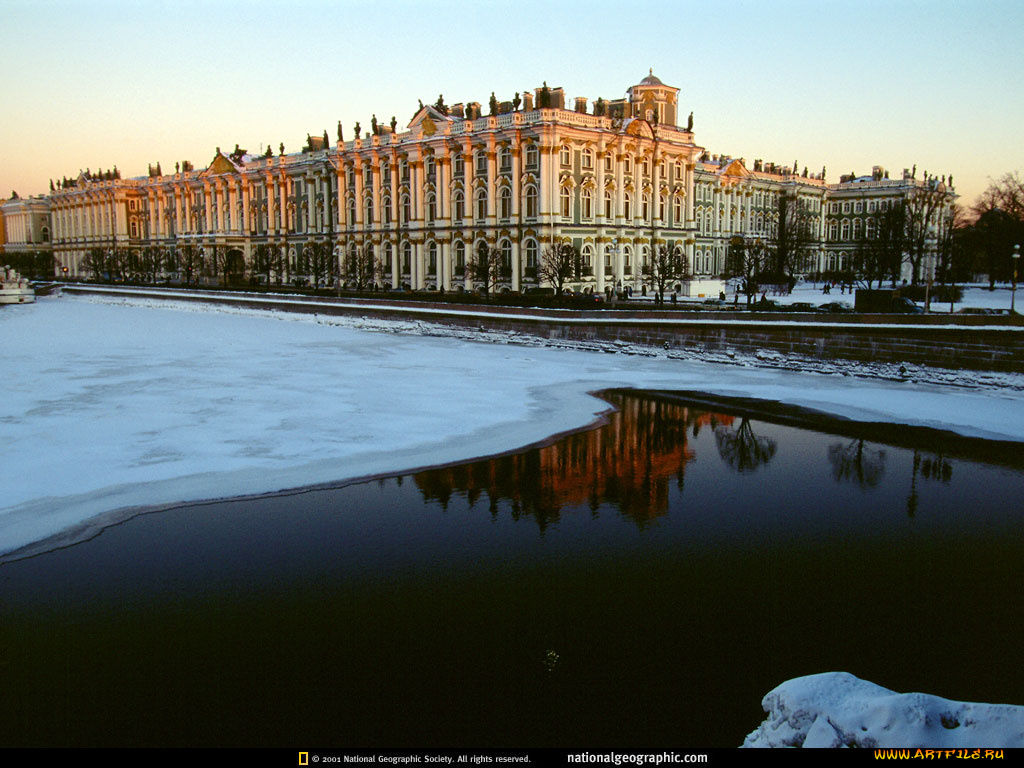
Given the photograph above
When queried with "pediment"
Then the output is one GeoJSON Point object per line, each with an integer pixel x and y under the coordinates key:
{"type": "Point", "coordinates": [220, 164]}
{"type": "Point", "coordinates": [427, 119]}
{"type": "Point", "coordinates": [640, 128]}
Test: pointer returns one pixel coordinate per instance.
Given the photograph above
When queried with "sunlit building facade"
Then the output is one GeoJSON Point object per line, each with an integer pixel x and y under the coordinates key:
{"type": "Point", "coordinates": [618, 182]}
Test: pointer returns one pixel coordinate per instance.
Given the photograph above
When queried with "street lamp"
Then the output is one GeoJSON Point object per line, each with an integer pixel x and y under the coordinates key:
{"type": "Point", "coordinates": [1013, 291]}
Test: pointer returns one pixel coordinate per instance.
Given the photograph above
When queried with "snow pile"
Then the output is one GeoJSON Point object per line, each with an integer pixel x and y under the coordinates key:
{"type": "Point", "coordinates": [836, 709]}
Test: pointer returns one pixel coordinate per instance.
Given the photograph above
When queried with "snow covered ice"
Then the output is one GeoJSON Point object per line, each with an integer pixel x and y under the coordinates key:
{"type": "Point", "coordinates": [108, 404]}
{"type": "Point", "coordinates": [836, 709]}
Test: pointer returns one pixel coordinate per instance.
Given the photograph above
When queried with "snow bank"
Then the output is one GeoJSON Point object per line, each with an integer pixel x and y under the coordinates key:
{"type": "Point", "coordinates": [836, 709]}
{"type": "Point", "coordinates": [109, 404]}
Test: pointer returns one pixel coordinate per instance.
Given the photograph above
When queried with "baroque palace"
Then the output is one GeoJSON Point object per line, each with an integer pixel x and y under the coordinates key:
{"type": "Point", "coordinates": [613, 182]}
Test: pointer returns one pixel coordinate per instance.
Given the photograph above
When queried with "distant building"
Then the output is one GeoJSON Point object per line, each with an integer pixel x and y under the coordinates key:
{"type": "Point", "coordinates": [25, 225]}
{"type": "Point", "coordinates": [616, 182]}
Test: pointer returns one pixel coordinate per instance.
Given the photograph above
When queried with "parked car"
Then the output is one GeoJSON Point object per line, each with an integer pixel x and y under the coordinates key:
{"type": "Point", "coordinates": [801, 306]}
{"type": "Point", "coordinates": [836, 307]}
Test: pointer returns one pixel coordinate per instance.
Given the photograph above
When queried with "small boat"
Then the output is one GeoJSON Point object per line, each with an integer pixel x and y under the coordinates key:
{"type": "Point", "coordinates": [15, 289]}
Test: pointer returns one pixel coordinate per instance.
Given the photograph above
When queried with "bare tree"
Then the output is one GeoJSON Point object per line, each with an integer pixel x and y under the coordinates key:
{"type": "Point", "coordinates": [190, 261]}
{"type": "Point", "coordinates": [362, 267]}
{"type": "Point", "coordinates": [557, 265]}
{"type": "Point", "coordinates": [95, 261]}
{"type": "Point", "coordinates": [749, 260]}
{"type": "Point", "coordinates": [666, 266]}
{"type": "Point", "coordinates": [486, 267]}
{"type": "Point", "coordinates": [319, 261]}
{"type": "Point", "coordinates": [793, 237]}
{"type": "Point", "coordinates": [923, 209]}
{"type": "Point", "coordinates": [266, 260]}
{"type": "Point", "coordinates": [879, 253]}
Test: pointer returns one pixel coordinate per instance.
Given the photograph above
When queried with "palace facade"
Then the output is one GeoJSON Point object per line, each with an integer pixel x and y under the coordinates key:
{"type": "Point", "coordinates": [615, 182]}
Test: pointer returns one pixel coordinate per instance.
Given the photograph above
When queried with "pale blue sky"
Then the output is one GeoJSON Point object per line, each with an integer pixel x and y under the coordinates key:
{"type": "Point", "coordinates": [845, 85]}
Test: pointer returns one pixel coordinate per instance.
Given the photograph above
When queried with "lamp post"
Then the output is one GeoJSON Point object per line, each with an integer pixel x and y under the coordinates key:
{"type": "Point", "coordinates": [1013, 291]}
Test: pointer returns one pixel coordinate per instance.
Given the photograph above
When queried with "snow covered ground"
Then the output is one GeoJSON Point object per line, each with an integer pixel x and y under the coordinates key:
{"type": "Point", "coordinates": [974, 297]}
{"type": "Point", "coordinates": [108, 404]}
{"type": "Point", "coordinates": [836, 709]}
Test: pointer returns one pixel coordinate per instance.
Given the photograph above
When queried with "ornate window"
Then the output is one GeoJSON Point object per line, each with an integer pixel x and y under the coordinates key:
{"type": "Point", "coordinates": [531, 202]}
{"type": "Point", "coordinates": [432, 258]}
{"type": "Point", "coordinates": [505, 159]}
{"type": "Point", "coordinates": [609, 210]}
{"type": "Point", "coordinates": [369, 212]}
{"type": "Point", "coordinates": [530, 252]}
{"type": "Point", "coordinates": [588, 159]}
{"type": "Point", "coordinates": [564, 156]}
{"type": "Point", "coordinates": [481, 204]}
{"type": "Point", "coordinates": [677, 210]}
{"type": "Point", "coordinates": [458, 165]}
{"type": "Point", "coordinates": [481, 163]}
{"type": "Point", "coordinates": [458, 205]}
{"type": "Point", "coordinates": [505, 203]}
{"type": "Point", "coordinates": [385, 208]}
{"type": "Point", "coordinates": [627, 206]}
{"type": "Point", "coordinates": [587, 204]}
{"type": "Point", "coordinates": [406, 210]}
{"type": "Point", "coordinates": [406, 257]}
{"type": "Point", "coordinates": [532, 156]}
{"type": "Point", "coordinates": [565, 201]}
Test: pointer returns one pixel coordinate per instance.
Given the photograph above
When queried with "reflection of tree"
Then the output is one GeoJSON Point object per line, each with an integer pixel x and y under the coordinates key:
{"type": "Point", "coordinates": [929, 468]}
{"type": "Point", "coordinates": [629, 463]}
{"type": "Point", "coordinates": [856, 464]}
{"type": "Point", "coordinates": [742, 449]}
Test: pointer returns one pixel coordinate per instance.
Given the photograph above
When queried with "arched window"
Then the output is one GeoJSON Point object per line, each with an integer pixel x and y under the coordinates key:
{"type": "Point", "coordinates": [385, 255]}
{"type": "Point", "coordinates": [530, 253]}
{"type": "Point", "coordinates": [531, 202]}
{"type": "Point", "coordinates": [627, 206]}
{"type": "Point", "coordinates": [627, 164]}
{"type": "Point", "coordinates": [505, 159]}
{"type": "Point", "coordinates": [565, 200]}
{"type": "Point", "coordinates": [846, 230]}
{"type": "Point", "coordinates": [627, 259]}
{"type": "Point", "coordinates": [431, 205]}
{"type": "Point", "coordinates": [505, 203]}
{"type": "Point", "coordinates": [403, 169]}
{"type": "Point", "coordinates": [645, 256]}
{"type": "Point", "coordinates": [532, 156]}
{"type": "Point", "coordinates": [707, 223]}
{"type": "Point", "coordinates": [431, 168]}
{"type": "Point", "coordinates": [406, 257]}
{"type": "Point", "coordinates": [458, 205]}
{"type": "Point", "coordinates": [609, 210]}
{"type": "Point", "coordinates": [677, 210]}
{"type": "Point", "coordinates": [458, 165]}
{"type": "Point", "coordinates": [385, 172]}
{"type": "Point", "coordinates": [871, 229]}
{"type": "Point", "coordinates": [588, 159]}
{"type": "Point", "coordinates": [432, 258]}
{"type": "Point", "coordinates": [645, 208]}
{"type": "Point", "coordinates": [385, 206]}
{"type": "Point", "coordinates": [856, 229]}
{"type": "Point", "coordinates": [588, 204]}
{"type": "Point", "coordinates": [833, 231]}
{"type": "Point", "coordinates": [506, 258]}
{"type": "Point", "coordinates": [369, 212]}
{"type": "Point", "coordinates": [662, 207]}
{"type": "Point", "coordinates": [481, 163]}
{"type": "Point", "coordinates": [481, 204]}
{"type": "Point", "coordinates": [351, 213]}
{"type": "Point", "coordinates": [459, 254]}
{"type": "Point", "coordinates": [563, 155]}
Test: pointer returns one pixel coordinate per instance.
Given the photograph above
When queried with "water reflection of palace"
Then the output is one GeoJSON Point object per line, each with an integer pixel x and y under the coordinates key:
{"type": "Point", "coordinates": [629, 462]}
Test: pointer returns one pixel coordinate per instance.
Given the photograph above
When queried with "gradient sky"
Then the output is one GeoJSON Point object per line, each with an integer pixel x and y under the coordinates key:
{"type": "Point", "coordinates": [847, 85]}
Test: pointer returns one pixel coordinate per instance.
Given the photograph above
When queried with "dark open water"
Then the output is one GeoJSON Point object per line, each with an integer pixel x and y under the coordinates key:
{"type": "Point", "coordinates": [640, 584]}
